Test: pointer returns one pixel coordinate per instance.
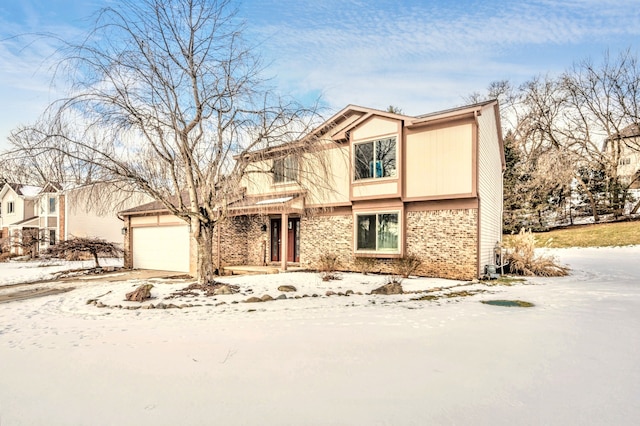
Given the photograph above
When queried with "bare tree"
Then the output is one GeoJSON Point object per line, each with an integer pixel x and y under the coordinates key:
{"type": "Point", "coordinates": [167, 96]}
{"type": "Point", "coordinates": [96, 247]}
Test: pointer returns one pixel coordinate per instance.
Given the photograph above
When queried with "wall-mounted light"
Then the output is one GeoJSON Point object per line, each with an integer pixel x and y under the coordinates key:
{"type": "Point", "coordinates": [124, 231]}
{"type": "Point", "coordinates": [263, 228]}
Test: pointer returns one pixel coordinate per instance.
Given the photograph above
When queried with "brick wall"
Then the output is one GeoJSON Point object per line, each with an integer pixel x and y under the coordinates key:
{"type": "Point", "coordinates": [445, 241]}
{"type": "Point", "coordinates": [326, 234]}
{"type": "Point", "coordinates": [241, 240]}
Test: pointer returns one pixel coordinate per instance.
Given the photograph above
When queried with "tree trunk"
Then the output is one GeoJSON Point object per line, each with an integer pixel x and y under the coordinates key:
{"type": "Point", "coordinates": [592, 201]}
{"type": "Point", "coordinates": [95, 258]}
{"type": "Point", "coordinates": [204, 239]}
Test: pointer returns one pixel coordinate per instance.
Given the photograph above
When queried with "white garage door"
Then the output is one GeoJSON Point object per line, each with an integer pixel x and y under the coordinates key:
{"type": "Point", "coordinates": [164, 248]}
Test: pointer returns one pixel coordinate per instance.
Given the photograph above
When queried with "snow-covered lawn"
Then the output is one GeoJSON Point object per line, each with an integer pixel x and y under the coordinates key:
{"type": "Point", "coordinates": [16, 272]}
{"type": "Point", "coordinates": [339, 360]}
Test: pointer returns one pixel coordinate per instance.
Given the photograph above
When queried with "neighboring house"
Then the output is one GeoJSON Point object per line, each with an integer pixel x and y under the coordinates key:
{"type": "Point", "coordinates": [629, 155]}
{"type": "Point", "coordinates": [17, 213]}
{"type": "Point", "coordinates": [56, 214]}
{"type": "Point", "coordinates": [428, 186]}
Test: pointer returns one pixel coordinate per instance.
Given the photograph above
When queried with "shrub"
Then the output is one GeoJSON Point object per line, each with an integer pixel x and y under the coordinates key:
{"type": "Point", "coordinates": [328, 263]}
{"type": "Point", "coordinates": [364, 265]}
{"type": "Point", "coordinates": [407, 265]}
{"type": "Point", "coordinates": [4, 257]}
{"type": "Point", "coordinates": [522, 259]}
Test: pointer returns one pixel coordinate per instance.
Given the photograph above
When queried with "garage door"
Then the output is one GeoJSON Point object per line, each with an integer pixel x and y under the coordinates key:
{"type": "Point", "coordinates": [164, 248]}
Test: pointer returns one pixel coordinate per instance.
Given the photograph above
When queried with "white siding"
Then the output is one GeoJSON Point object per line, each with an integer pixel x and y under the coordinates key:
{"type": "Point", "coordinates": [489, 187]}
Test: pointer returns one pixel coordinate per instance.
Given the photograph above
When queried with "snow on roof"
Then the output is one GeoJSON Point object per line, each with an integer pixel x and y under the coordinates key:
{"type": "Point", "coordinates": [275, 200]}
{"type": "Point", "coordinates": [29, 191]}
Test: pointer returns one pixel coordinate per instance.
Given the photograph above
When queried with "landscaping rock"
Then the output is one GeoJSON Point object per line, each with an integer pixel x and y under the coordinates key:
{"type": "Point", "coordinates": [329, 293]}
{"type": "Point", "coordinates": [223, 289]}
{"type": "Point", "coordinates": [287, 288]}
{"type": "Point", "coordinates": [266, 298]}
{"type": "Point", "coordinates": [387, 289]}
{"type": "Point", "coordinates": [100, 304]}
{"type": "Point", "coordinates": [281, 297]}
{"type": "Point", "coordinates": [161, 306]}
{"type": "Point", "coordinates": [253, 300]}
{"type": "Point", "coordinates": [348, 292]}
{"type": "Point", "coordinates": [140, 294]}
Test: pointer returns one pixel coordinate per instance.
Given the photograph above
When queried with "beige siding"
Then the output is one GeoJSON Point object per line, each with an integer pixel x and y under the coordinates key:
{"type": "Point", "coordinates": [439, 162]}
{"type": "Point", "coordinates": [489, 187]}
{"type": "Point", "coordinates": [18, 209]}
{"type": "Point", "coordinates": [374, 128]}
{"type": "Point", "coordinates": [258, 179]}
{"type": "Point", "coordinates": [376, 189]}
{"type": "Point", "coordinates": [329, 170]}
{"type": "Point", "coordinates": [82, 219]}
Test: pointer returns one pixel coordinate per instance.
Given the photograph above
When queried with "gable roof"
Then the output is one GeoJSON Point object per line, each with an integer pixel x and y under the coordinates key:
{"type": "Point", "coordinates": [24, 191]}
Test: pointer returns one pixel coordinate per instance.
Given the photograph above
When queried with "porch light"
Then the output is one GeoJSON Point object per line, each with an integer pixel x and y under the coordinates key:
{"type": "Point", "coordinates": [124, 231]}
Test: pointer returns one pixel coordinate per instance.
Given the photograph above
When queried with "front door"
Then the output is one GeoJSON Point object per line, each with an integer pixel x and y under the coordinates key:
{"type": "Point", "coordinates": [293, 239]}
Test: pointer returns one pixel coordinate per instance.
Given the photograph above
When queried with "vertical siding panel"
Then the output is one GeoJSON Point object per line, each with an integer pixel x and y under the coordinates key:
{"type": "Point", "coordinates": [489, 186]}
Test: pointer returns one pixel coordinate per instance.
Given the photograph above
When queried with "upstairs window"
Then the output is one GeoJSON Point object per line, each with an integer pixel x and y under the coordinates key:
{"type": "Point", "coordinates": [377, 232]}
{"type": "Point", "coordinates": [375, 159]}
{"type": "Point", "coordinates": [285, 170]}
{"type": "Point", "coordinates": [10, 207]}
{"type": "Point", "coordinates": [52, 204]}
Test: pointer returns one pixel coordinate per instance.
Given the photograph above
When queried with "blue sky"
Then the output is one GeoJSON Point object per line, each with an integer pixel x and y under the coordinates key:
{"type": "Point", "coordinates": [421, 56]}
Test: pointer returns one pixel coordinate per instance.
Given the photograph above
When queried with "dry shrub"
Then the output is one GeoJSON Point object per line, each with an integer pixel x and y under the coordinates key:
{"type": "Point", "coordinates": [6, 256]}
{"type": "Point", "coordinates": [407, 265]}
{"type": "Point", "coordinates": [328, 263]}
{"type": "Point", "coordinates": [522, 259]}
{"type": "Point", "coordinates": [364, 265]}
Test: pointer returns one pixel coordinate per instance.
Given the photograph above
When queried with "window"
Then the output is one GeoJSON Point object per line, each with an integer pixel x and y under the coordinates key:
{"type": "Point", "coordinates": [285, 169]}
{"type": "Point", "coordinates": [10, 207]}
{"type": "Point", "coordinates": [52, 237]}
{"type": "Point", "coordinates": [624, 161]}
{"type": "Point", "coordinates": [375, 159]}
{"type": "Point", "coordinates": [52, 204]}
{"type": "Point", "coordinates": [377, 232]}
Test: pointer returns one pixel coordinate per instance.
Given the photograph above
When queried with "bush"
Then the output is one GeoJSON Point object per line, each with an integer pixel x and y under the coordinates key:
{"type": "Point", "coordinates": [6, 256]}
{"type": "Point", "coordinates": [364, 265]}
{"type": "Point", "coordinates": [328, 263]}
{"type": "Point", "coordinates": [522, 259]}
{"type": "Point", "coordinates": [407, 265]}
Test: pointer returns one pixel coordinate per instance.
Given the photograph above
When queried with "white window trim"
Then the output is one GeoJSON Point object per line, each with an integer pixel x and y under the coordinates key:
{"type": "Point", "coordinates": [11, 207]}
{"type": "Point", "coordinates": [373, 179]}
{"type": "Point", "coordinates": [384, 252]}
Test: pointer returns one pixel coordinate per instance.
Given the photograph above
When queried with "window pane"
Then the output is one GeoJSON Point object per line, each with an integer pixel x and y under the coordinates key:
{"type": "Point", "coordinates": [52, 205]}
{"type": "Point", "coordinates": [386, 158]}
{"type": "Point", "coordinates": [364, 161]}
{"type": "Point", "coordinates": [291, 169]}
{"type": "Point", "coordinates": [278, 170]}
{"type": "Point", "coordinates": [366, 232]}
{"type": "Point", "coordinates": [388, 231]}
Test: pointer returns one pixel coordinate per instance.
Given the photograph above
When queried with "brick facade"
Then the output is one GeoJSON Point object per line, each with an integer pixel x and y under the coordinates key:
{"type": "Point", "coordinates": [326, 234]}
{"type": "Point", "coordinates": [445, 240]}
{"type": "Point", "coordinates": [242, 241]}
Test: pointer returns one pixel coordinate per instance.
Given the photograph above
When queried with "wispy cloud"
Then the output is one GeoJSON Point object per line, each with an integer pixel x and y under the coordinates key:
{"type": "Point", "coordinates": [404, 51]}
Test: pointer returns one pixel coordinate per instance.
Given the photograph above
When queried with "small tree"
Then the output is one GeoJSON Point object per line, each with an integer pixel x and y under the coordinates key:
{"type": "Point", "coordinates": [95, 246]}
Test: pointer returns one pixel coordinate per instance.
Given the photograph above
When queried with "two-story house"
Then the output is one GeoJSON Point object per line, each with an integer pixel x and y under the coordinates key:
{"type": "Point", "coordinates": [17, 213]}
{"type": "Point", "coordinates": [380, 186]}
{"type": "Point", "coordinates": [53, 213]}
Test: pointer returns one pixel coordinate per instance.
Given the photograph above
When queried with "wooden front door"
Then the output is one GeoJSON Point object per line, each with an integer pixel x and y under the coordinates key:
{"type": "Point", "coordinates": [293, 240]}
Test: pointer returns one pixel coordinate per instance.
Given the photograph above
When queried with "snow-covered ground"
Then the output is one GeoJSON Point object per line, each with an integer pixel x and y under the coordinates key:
{"type": "Point", "coordinates": [16, 272]}
{"type": "Point", "coordinates": [338, 360]}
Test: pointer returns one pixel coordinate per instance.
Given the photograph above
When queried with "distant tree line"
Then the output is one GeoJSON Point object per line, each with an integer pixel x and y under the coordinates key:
{"type": "Point", "coordinates": [565, 138]}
